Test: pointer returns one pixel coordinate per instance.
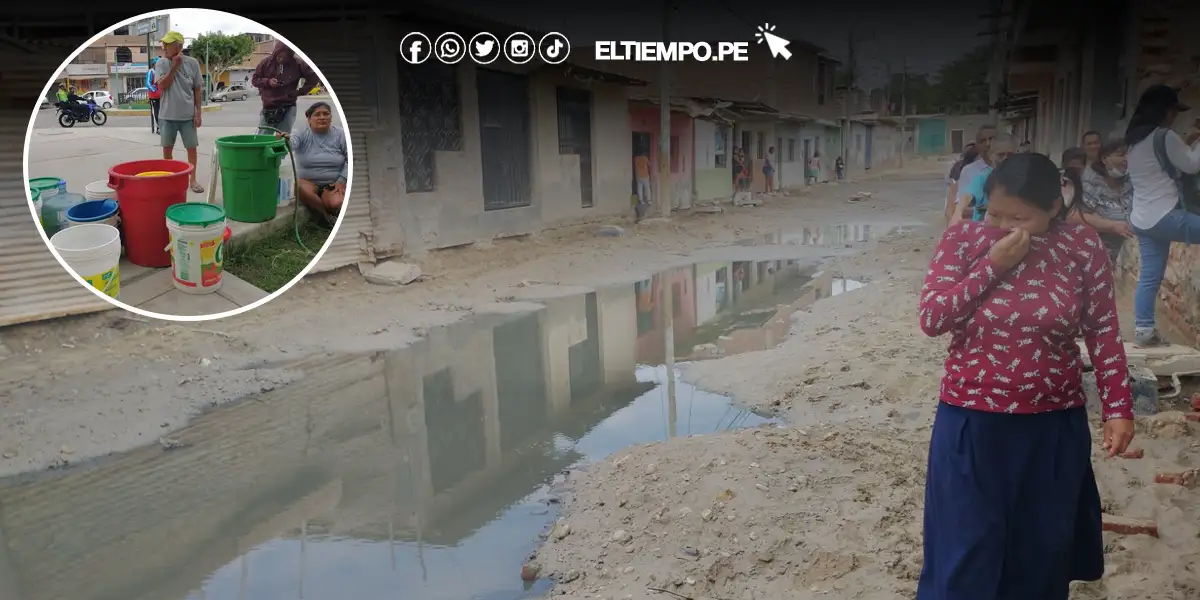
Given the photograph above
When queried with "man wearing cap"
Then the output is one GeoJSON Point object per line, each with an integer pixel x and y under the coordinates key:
{"type": "Point", "coordinates": [181, 84]}
{"type": "Point", "coordinates": [278, 79]}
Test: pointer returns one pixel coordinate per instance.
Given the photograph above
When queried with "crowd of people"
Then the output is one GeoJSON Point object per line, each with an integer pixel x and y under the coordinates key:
{"type": "Point", "coordinates": [1023, 273]}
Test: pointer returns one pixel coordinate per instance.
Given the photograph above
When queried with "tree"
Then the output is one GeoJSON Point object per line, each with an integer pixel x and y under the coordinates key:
{"type": "Point", "coordinates": [222, 52]}
{"type": "Point", "coordinates": [963, 83]}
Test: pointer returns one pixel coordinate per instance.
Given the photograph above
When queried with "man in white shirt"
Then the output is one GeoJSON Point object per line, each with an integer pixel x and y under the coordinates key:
{"type": "Point", "coordinates": [1159, 162]}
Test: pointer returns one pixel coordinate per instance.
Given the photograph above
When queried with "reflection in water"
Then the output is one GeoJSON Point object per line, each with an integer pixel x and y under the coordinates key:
{"type": "Point", "coordinates": [830, 235]}
{"type": "Point", "coordinates": [426, 471]}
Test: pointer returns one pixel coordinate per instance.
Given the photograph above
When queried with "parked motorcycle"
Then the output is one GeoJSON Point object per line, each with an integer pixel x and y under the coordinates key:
{"type": "Point", "coordinates": [80, 112]}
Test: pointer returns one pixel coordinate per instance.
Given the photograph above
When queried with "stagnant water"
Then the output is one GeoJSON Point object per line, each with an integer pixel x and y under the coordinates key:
{"type": "Point", "coordinates": [423, 473]}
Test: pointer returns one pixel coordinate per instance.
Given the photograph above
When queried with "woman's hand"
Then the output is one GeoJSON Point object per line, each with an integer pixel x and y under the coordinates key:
{"type": "Point", "coordinates": [1117, 435]}
{"type": "Point", "coordinates": [1122, 228]}
{"type": "Point", "coordinates": [1010, 250]}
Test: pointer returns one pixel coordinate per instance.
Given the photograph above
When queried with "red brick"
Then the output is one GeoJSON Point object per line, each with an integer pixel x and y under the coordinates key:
{"type": "Point", "coordinates": [1128, 526]}
{"type": "Point", "coordinates": [1132, 453]}
{"type": "Point", "coordinates": [1185, 478]}
{"type": "Point", "coordinates": [529, 573]}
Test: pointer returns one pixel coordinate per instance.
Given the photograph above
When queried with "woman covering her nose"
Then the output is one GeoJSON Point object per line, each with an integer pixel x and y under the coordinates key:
{"type": "Point", "coordinates": [1011, 505]}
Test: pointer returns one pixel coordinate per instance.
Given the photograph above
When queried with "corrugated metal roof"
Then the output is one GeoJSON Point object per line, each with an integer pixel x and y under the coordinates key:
{"type": "Point", "coordinates": [33, 286]}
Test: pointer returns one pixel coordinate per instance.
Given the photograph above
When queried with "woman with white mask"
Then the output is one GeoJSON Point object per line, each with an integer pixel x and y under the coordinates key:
{"type": "Point", "coordinates": [1107, 197]}
{"type": "Point", "coordinates": [1160, 165]}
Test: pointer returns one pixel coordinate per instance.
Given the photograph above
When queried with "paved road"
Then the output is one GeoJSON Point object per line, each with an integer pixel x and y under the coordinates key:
{"type": "Point", "coordinates": [232, 114]}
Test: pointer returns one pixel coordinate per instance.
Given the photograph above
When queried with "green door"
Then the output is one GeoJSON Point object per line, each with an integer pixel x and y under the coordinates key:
{"type": "Point", "coordinates": [932, 136]}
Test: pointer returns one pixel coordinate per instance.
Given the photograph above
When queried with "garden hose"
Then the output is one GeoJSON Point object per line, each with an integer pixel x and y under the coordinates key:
{"type": "Point", "coordinates": [287, 141]}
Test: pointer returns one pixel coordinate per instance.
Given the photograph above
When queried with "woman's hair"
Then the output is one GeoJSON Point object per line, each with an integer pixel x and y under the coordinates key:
{"type": "Point", "coordinates": [1091, 132]}
{"type": "Point", "coordinates": [1108, 149]}
{"type": "Point", "coordinates": [1150, 114]}
{"type": "Point", "coordinates": [968, 157]}
{"type": "Point", "coordinates": [1071, 154]}
{"type": "Point", "coordinates": [312, 109]}
{"type": "Point", "coordinates": [1034, 179]}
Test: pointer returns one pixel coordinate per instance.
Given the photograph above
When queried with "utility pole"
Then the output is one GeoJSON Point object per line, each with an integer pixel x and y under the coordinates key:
{"type": "Point", "coordinates": [149, 59]}
{"type": "Point", "coordinates": [664, 117]}
{"type": "Point", "coordinates": [850, 68]}
{"type": "Point", "coordinates": [903, 110]}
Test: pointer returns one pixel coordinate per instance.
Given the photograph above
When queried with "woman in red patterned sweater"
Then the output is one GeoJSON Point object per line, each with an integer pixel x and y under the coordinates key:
{"type": "Point", "coordinates": [1011, 505]}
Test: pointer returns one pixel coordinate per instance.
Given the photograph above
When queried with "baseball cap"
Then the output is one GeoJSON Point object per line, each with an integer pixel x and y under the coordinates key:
{"type": "Point", "coordinates": [1163, 95]}
{"type": "Point", "coordinates": [172, 37]}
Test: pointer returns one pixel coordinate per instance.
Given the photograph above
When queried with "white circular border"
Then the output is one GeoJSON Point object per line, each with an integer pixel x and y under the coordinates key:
{"type": "Point", "coordinates": [492, 36]}
{"type": "Point", "coordinates": [565, 55]}
{"type": "Point", "coordinates": [462, 44]}
{"type": "Point", "coordinates": [182, 318]}
{"type": "Point", "coordinates": [403, 43]}
{"type": "Point", "coordinates": [533, 50]}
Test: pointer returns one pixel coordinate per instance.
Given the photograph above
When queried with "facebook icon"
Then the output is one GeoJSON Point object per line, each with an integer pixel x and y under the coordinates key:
{"type": "Point", "coordinates": [415, 48]}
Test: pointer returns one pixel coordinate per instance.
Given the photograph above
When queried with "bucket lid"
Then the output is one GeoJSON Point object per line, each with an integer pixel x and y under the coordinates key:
{"type": "Point", "coordinates": [196, 214]}
{"type": "Point", "coordinates": [35, 194]}
{"type": "Point", "coordinates": [154, 173]}
{"type": "Point", "coordinates": [43, 183]}
{"type": "Point", "coordinates": [98, 186]}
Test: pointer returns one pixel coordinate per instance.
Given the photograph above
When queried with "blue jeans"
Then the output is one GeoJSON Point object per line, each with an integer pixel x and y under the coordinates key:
{"type": "Point", "coordinates": [1155, 245]}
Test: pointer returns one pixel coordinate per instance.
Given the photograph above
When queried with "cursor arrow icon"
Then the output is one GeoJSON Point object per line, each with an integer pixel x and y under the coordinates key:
{"type": "Point", "coordinates": [776, 44]}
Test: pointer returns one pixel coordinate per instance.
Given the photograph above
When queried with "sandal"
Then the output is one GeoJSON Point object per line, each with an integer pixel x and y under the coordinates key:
{"type": "Point", "coordinates": [197, 188]}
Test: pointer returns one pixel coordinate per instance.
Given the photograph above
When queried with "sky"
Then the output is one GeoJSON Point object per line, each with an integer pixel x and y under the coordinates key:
{"type": "Point", "coordinates": [192, 22]}
{"type": "Point", "coordinates": [928, 33]}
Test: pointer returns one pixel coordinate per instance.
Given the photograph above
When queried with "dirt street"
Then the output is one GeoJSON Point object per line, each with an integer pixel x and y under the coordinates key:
{"type": "Point", "coordinates": [828, 505]}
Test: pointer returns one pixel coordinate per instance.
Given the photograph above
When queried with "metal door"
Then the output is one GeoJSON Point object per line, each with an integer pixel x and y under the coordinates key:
{"type": "Point", "coordinates": [504, 139]}
{"type": "Point", "coordinates": [575, 135]}
{"type": "Point", "coordinates": [867, 154]}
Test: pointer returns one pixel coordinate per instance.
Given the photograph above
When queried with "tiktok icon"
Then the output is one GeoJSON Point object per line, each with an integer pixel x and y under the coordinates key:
{"type": "Point", "coordinates": [554, 48]}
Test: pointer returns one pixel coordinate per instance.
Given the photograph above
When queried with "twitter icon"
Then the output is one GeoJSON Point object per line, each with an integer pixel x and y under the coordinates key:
{"type": "Point", "coordinates": [484, 48]}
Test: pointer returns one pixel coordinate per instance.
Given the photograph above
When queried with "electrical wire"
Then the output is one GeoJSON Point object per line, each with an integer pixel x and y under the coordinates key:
{"type": "Point", "coordinates": [287, 142]}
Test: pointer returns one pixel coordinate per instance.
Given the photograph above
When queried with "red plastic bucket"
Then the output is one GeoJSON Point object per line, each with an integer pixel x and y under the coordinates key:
{"type": "Point", "coordinates": [144, 201]}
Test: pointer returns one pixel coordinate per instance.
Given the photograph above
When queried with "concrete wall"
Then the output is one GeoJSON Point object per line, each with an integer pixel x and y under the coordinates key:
{"type": "Point", "coordinates": [453, 214]}
{"type": "Point", "coordinates": [885, 147]}
{"type": "Point", "coordinates": [712, 182]}
{"type": "Point", "coordinates": [645, 119]}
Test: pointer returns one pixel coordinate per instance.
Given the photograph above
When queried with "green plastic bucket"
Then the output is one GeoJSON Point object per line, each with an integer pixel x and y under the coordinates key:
{"type": "Point", "coordinates": [48, 186]}
{"type": "Point", "coordinates": [250, 176]}
{"type": "Point", "coordinates": [36, 197]}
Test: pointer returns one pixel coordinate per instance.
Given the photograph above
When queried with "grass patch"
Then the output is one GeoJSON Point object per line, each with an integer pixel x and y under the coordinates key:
{"type": "Point", "coordinates": [133, 106]}
{"type": "Point", "coordinates": [270, 262]}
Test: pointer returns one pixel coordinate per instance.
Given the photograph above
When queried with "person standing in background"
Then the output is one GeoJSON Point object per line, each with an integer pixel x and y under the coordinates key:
{"type": "Point", "coordinates": [1157, 158]}
{"type": "Point", "coordinates": [1107, 198]}
{"type": "Point", "coordinates": [768, 170]}
{"type": "Point", "coordinates": [641, 172]}
{"type": "Point", "coordinates": [153, 95]}
{"type": "Point", "coordinates": [839, 165]}
{"type": "Point", "coordinates": [814, 167]}
{"type": "Point", "coordinates": [278, 78]}
{"type": "Point", "coordinates": [983, 142]}
{"type": "Point", "coordinates": [969, 156]}
{"type": "Point", "coordinates": [182, 86]}
{"type": "Point", "coordinates": [1075, 160]}
{"type": "Point", "coordinates": [1090, 143]}
{"type": "Point", "coordinates": [973, 200]}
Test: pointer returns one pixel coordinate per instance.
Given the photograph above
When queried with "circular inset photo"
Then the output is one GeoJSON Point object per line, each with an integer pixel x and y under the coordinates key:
{"type": "Point", "coordinates": [188, 164]}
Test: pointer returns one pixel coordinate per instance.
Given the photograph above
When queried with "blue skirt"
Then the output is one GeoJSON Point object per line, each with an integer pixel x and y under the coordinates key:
{"type": "Point", "coordinates": [1011, 506]}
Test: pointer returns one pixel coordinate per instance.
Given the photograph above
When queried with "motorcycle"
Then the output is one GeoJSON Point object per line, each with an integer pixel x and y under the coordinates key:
{"type": "Point", "coordinates": [80, 112]}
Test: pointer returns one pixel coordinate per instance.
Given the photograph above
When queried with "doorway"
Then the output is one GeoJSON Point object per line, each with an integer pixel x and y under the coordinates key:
{"type": "Point", "coordinates": [575, 135]}
{"type": "Point", "coordinates": [807, 156]}
{"type": "Point", "coordinates": [504, 139]}
{"type": "Point", "coordinates": [956, 141]}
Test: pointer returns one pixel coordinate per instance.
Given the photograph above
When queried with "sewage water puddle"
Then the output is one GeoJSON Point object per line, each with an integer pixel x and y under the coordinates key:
{"type": "Point", "coordinates": [426, 472]}
{"type": "Point", "coordinates": [843, 235]}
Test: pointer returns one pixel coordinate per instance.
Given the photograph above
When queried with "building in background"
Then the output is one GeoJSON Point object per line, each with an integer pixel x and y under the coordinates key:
{"type": "Point", "coordinates": [118, 61]}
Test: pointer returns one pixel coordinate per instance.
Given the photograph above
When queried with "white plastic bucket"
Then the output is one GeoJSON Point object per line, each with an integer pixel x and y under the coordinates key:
{"type": "Point", "coordinates": [99, 190]}
{"type": "Point", "coordinates": [287, 183]}
{"type": "Point", "coordinates": [37, 204]}
{"type": "Point", "coordinates": [197, 246]}
{"type": "Point", "coordinates": [93, 251]}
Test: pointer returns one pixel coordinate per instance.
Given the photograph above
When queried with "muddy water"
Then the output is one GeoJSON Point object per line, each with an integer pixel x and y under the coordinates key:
{"type": "Point", "coordinates": [427, 472]}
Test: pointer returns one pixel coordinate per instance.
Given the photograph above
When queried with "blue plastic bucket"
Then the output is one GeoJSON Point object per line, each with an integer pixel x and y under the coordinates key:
{"type": "Point", "coordinates": [93, 211]}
